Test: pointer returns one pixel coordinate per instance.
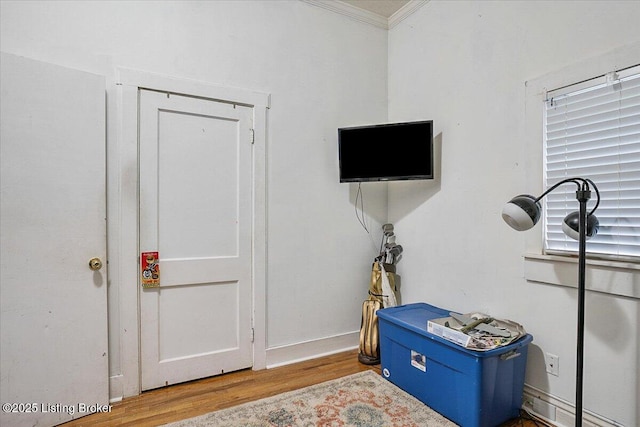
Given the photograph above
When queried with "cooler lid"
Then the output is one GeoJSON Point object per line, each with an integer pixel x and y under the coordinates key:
{"type": "Point", "coordinates": [415, 316]}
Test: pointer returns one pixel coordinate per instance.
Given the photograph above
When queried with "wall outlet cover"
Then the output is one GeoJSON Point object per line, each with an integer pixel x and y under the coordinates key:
{"type": "Point", "coordinates": [553, 364]}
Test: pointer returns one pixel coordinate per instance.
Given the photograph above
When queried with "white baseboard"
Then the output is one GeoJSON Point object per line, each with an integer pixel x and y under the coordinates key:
{"type": "Point", "coordinates": [116, 389]}
{"type": "Point", "coordinates": [276, 356]}
{"type": "Point", "coordinates": [292, 353]}
{"type": "Point", "coordinates": [559, 412]}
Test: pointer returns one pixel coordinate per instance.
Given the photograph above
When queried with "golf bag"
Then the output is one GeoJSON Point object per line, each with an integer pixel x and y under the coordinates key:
{"type": "Point", "coordinates": [369, 336]}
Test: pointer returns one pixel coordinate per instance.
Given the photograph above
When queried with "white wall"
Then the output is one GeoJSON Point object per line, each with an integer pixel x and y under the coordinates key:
{"type": "Point", "coordinates": [322, 70]}
{"type": "Point", "coordinates": [464, 65]}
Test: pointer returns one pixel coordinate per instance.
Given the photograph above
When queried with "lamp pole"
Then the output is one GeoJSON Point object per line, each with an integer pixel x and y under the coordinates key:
{"type": "Point", "coordinates": [583, 196]}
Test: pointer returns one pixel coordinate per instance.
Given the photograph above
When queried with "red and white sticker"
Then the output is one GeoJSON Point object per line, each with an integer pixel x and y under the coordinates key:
{"type": "Point", "coordinates": [149, 269]}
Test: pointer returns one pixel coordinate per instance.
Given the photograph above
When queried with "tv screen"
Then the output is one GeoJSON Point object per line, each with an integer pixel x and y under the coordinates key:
{"type": "Point", "coordinates": [386, 152]}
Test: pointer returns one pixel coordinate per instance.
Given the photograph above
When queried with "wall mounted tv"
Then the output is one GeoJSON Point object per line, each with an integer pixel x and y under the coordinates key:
{"type": "Point", "coordinates": [386, 152]}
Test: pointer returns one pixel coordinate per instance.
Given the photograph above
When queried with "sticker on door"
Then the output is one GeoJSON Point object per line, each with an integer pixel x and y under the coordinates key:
{"type": "Point", "coordinates": [149, 269]}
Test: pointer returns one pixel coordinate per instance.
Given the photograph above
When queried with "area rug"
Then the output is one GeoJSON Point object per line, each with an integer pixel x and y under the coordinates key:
{"type": "Point", "coordinates": [361, 400]}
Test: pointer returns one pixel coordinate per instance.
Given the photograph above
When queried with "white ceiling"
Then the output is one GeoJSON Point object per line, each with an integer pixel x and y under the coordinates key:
{"type": "Point", "coordinates": [384, 8]}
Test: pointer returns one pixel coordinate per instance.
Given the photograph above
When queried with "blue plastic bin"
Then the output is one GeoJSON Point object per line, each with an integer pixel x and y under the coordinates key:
{"type": "Point", "coordinates": [471, 388]}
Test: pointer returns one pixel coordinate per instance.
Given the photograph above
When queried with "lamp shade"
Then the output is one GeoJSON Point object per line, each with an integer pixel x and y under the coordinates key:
{"type": "Point", "coordinates": [571, 225]}
{"type": "Point", "coordinates": [522, 212]}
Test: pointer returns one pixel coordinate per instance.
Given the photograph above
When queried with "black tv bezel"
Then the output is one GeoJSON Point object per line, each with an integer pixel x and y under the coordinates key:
{"type": "Point", "coordinates": [384, 178]}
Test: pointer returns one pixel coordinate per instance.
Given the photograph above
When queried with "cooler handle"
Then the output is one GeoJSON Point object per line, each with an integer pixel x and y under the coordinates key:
{"type": "Point", "coordinates": [509, 355]}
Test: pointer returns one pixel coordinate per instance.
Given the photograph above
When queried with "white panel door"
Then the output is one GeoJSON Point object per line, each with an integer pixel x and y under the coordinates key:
{"type": "Point", "coordinates": [52, 221]}
{"type": "Point", "coordinates": [195, 211]}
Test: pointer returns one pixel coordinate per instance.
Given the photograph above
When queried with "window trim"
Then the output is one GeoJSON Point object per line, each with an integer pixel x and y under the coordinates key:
{"type": "Point", "coordinates": [614, 278]}
{"type": "Point", "coordinates": [537, 264]}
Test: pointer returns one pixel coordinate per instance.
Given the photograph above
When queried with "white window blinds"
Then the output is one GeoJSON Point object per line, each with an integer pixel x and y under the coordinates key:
{"type": "Point", "coordinates": [592, 130]}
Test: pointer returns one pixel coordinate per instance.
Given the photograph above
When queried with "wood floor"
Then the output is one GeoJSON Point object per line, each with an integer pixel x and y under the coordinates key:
{"type": "Point", "coordinates": [199, 397]}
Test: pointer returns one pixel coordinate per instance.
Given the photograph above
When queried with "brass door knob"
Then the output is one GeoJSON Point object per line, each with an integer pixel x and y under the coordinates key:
{"type": "Point", "coordinates": [95, 264]}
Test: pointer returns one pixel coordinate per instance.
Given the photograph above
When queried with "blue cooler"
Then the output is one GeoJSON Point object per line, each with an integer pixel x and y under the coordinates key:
{"type": "Point", "coordinates": [471, 388]}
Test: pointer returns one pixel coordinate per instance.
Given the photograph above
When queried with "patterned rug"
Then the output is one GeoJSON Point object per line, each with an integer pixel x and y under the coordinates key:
{"type": "Point", "coordinates": [360, 400]}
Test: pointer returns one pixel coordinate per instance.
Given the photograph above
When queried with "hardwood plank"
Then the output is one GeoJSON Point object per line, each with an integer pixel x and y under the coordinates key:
{"type": "Point", "coordinates": [199, 397]}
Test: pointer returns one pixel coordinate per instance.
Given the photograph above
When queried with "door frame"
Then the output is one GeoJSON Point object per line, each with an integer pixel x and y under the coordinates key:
{"type": "Point", "coordinates": [124, 247]}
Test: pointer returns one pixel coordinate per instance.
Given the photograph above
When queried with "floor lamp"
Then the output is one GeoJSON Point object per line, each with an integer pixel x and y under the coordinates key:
{"type": "Point", "coordinates": [523, 212]}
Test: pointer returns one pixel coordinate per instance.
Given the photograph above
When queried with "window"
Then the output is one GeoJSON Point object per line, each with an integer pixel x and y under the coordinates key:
{"type": "Point", "coordinates": [592, 130]}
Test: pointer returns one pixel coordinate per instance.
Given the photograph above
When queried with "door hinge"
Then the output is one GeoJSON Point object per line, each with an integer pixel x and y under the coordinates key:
{"type": "Point", "coordinates": [253, 136]}
{"type": "Point", "coordinates": [253, 334]}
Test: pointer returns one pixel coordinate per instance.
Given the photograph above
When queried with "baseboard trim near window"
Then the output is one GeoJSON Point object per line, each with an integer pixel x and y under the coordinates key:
{"type": "Point", "coordinates": [559, 412]}
{"type": "Point", "coordinates": [298, 352]}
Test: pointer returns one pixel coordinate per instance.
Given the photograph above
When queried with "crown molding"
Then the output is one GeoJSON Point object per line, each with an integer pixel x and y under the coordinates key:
{"type": "Point", "coordinates": [405, 11]}
{"type": "Point", "coordinates": [365, 16]}
{"type": "Point", "coordinates": [352, 12]}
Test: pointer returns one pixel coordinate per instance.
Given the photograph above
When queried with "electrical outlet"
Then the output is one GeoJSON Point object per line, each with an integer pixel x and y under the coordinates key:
{"type": "Point", "coordinates": [553, 364]}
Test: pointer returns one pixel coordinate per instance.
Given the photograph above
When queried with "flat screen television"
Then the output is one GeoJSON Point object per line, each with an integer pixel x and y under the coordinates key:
{"type": "Point", "coordinates": [386, 152]}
